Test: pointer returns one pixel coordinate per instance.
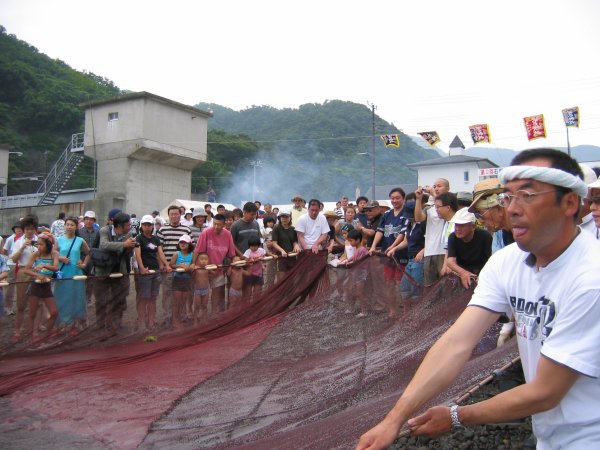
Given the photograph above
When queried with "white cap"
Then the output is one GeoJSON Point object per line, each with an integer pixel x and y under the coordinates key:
{"type": "Point", "coordinates": [595, 184]}
{"type": "Point", "coordinates": [188, 211]}
{"type": "Point", "coordinates": [285, 212]}
{"type": "Point", "coordinates": [463, 216]}
{"type": "Point", "coordinates": [147, 219]}
{"type": "Point", "coordinates": [90, 214]}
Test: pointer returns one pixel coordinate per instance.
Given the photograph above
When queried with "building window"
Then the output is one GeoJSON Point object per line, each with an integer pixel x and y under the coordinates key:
{"type": "Point", "coordinates": [113, 116]}
{"type": "Point", "coordinates": [466, 176]}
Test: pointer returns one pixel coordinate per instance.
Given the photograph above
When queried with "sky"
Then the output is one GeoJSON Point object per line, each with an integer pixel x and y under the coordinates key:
{"type": "Point", "coordinates": [427, 65]}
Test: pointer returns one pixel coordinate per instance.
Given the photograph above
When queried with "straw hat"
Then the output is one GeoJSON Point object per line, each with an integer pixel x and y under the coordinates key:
{"type": "Point", "coordinates": [484, 188]}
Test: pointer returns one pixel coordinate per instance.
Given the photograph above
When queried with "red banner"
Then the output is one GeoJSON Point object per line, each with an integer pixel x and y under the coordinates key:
{"type": "Point", "coordinates": [535, 127]}
{"type": "Point", "coordinates": [480, 133]}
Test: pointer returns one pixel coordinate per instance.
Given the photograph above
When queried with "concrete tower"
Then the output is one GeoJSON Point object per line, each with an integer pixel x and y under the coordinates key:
{"type": "Point", "coordinates": [146, 147]}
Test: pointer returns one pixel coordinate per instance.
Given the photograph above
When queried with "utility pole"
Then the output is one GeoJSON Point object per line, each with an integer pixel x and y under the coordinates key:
{"type": "Point", "coordinates": [373, 108]}
{"type": "Point", "coordinates": [254, 165]}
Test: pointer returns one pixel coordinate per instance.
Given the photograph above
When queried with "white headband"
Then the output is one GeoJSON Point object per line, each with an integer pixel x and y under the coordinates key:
{"type": "Point", "coordinates": [548, 175]}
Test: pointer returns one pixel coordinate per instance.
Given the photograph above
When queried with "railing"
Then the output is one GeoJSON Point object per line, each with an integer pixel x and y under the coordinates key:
{"type": "Point", "coordinates": [51, 186]}
{"type": "Point", "coordinates": [62, 162]}
{"type": "Point", "coordinates": [20, 201]}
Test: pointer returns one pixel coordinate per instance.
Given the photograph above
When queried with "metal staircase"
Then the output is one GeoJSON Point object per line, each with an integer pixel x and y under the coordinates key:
{"type": "Point", "coordinates": [62, 171]}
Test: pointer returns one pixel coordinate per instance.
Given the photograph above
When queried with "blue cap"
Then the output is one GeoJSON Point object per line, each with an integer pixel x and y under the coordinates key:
{"type": "Point", "coordinates": [113, 212]}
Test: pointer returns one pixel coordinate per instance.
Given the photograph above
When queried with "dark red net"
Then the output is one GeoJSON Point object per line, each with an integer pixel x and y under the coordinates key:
{"type": "Point", "coordinates": [291, 369]}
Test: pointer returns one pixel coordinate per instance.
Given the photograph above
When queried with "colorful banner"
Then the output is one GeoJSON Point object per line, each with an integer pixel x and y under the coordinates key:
{"type": "Point", "coordinates": [391, 140]}
{"type": "Point", "coordinates": [431, 137]}
{"type": "Point", "coordinates": [480, 133]}
{"type": "Point", "coordinates": [571, 116]}
{"type": "Point", "coordinates": [535, 127]}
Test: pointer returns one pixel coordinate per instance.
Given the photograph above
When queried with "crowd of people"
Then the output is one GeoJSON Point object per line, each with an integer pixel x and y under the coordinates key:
{"type": "Point", "coordinates": [205, 262]}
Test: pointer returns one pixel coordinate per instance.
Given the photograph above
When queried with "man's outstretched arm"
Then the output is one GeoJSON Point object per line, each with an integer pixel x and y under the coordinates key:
{"type": "Point", "coordinates": [439, 368]}
{"type": "Point", "coordinates": [544, 392]}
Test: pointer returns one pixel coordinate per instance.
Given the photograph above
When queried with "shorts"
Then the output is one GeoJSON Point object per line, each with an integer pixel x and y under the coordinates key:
{"type": "Point", "coordinates": [148, 285]}
{"type": "Point", "coordinates": [393, 273]}
{"type": "Point", "coordinates": [40, 290]}
{"type": "Point", "coordinates": [431, 268]}
{"type": "Point", "coordinates": [235, 293]}
{"type": "Point", "coordinates": [253, 280]}
{"type": "Point", "coordinates": [12, 273]}
{"type": "Point", "coordinates": [412, 287]}
{"type": "Point", "coordinates": [182, 283]}
{"type": "Point", "coordinates": [202, 292]}
{"type": "Point", "coordinates": [217, 281]}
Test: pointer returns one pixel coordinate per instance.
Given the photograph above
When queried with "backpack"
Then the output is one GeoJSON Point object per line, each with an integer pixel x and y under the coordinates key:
{"type": "Point", "coordinates": [103, 258]}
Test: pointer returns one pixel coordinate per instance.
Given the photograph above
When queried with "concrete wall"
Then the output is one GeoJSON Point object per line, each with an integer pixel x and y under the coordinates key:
{"type": "Point", "coordinates": [46, 214]}
{"type": "Point", "coordinates": [145, 158]}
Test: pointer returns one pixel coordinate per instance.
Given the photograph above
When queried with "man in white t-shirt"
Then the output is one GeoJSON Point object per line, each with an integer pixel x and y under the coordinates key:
{"type": "Point", "coordinates": [434, 252]}
{"type": "Point", "coordinates": [550, 282]}
{"type": "Point", "coordinates": [312, 228]}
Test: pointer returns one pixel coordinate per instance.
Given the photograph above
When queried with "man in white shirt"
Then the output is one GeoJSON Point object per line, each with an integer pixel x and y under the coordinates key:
{"type": "Point", "coordinates": [312, 228]}
{"type": "Point", "coordinates": [434, 249]}
{"type": "Point", "coordinates": [550, 282]}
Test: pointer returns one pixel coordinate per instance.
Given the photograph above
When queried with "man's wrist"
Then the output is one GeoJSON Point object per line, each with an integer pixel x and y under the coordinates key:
{"type": "Point", "coordinates": [456, 423]}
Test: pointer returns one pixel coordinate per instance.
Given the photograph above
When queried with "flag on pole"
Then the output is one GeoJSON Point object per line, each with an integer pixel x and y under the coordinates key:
{"type": "Point", "coordinates": [480, 133]}
{"type": "Point", "coordinates": [431, 137]}
{"type": "Point", "coordinates": [391, 140]}
{"type": "Point", "coordinates": [534, 125]}
{"type": "Point", "coordinates": [571, 116]}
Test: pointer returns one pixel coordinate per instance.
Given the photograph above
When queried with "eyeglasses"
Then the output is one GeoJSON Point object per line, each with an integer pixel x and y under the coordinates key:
{"type": "Point", "coordinates": [440, 206]}
{"type": "Point", "coordinates": [479, 215]}
{"type": "Point", "coordinates": [594, 199]}
{"type": "Point", "coordinates": [523, 197]}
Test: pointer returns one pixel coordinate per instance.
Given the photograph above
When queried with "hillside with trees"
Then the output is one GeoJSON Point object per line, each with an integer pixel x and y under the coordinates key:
{"type": "Point", "coordinates": [39, 110]}
{"type": "Point", "coordinates": [317, 149]}
{"type": "Point", "coordinates": [321, 150]}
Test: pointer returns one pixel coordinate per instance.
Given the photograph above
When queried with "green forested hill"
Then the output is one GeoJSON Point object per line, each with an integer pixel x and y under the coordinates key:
{"type": "Point", "coordinates": [39, 111]}
{"type": "Point", "coordinates": [315, 149]}
{"type": "Point", "coordinates": [312, 150]}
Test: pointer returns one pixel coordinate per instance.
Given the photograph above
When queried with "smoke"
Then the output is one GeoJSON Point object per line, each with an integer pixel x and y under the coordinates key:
{"type": "Point", "coordinates": [300, 168]}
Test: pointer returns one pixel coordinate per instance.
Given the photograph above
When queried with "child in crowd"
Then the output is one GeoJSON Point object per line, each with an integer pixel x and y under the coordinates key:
{"type": "Point", "coordinates": [236, 276]}
{"type": "Point", "coordinates": [359, 274]}
{"type": "Point", "coordinates": [348, 249]}
{"type": "Point", "coordinates": [42, 264]}
{"type": "Point", "coordinates": [201, 283]}
{"type": "Point", "coordinates": [181, 262]}
{"type": "Point", "coordinates": [267, 237]}
{"type": "Point", "coordinates": [254, 255]}
{"type": "Point", "coordinates": [266, 231]}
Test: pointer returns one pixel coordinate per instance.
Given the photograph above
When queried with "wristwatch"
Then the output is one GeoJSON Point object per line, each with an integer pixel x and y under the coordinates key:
{"type": "Point", "coordinates": [456, 424]}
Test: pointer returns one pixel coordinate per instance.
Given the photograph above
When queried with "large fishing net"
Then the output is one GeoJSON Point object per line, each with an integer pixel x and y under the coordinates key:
{"type": "Point", "coordinates": [292, 367]}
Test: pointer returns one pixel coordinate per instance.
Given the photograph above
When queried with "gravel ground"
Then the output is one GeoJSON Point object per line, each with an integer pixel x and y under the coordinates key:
{"type": "Point", "coordinates": [503, 436]}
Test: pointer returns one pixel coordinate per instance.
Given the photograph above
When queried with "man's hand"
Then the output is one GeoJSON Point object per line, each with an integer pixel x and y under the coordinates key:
{"type": "Point", "coordinates": [419, 256]}
{"type": "Point", "coordinates": [129, 243]}
{"type": "Point", "coordinates": [466, 278]}
{"type": "Point", "coordinates": [315, 248]}
{"type": "Point", "coordinates": [379, 437]}
{"type": "Point", "coordinates": [433, 423]}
